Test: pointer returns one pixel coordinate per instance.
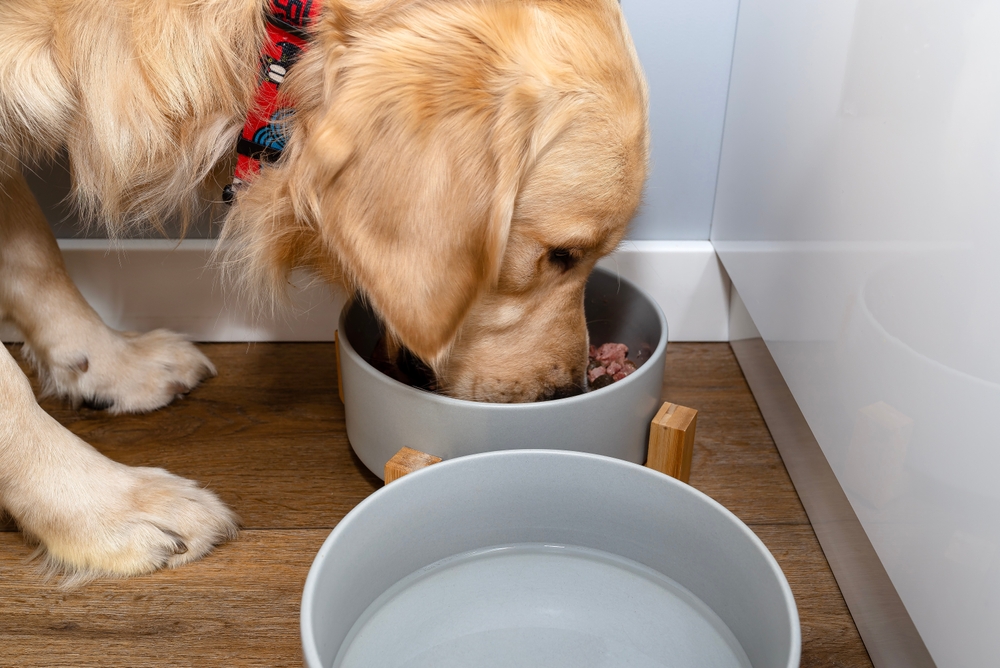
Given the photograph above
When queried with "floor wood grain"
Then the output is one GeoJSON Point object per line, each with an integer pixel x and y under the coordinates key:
{"type": "Point", "coordinates": [268, 436]}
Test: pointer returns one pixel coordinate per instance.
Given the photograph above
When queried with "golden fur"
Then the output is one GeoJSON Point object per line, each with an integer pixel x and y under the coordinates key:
{"type": "Point", "coordinates": [461, 164]}
{"type": "Point", "coordinates": [146, 95]}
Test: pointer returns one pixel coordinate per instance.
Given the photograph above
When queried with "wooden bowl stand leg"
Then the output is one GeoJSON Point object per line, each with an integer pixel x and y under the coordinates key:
{"type": "Point", "coordinates": [671, 443]}
{"type": "Point", "coordinates": [407, 460]}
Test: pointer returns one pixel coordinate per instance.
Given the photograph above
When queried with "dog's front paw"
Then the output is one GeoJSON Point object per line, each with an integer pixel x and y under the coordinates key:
{"type": "Point", "coordinates": [121, 371]}
{"type": "Point", "coordinates": [141, 520]}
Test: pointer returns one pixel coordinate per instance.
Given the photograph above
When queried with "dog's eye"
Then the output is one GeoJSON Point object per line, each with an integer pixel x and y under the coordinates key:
{"type": "Point", "coordinates": [564, 258]}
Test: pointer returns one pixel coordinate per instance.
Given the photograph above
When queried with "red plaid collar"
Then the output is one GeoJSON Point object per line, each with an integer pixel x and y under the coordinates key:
{"type": "Point", "coordinates": [264, 135]}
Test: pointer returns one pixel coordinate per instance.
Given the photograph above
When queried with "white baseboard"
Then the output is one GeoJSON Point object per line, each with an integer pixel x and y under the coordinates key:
{"type": "Point", "coordinates": [144, 284]}
{"type": "Point", "coordinates": [686, 278]}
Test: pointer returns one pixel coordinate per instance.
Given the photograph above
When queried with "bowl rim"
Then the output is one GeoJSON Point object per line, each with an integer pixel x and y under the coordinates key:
{"type": "Point", "coordinates": [658, 351]}
{"type": "Point", "coordinates": [309, 649]}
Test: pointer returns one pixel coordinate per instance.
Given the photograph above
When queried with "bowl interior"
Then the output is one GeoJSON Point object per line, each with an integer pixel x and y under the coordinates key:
{"type": "Point", "coordinates": [556, 498]}
{"type": "Point", "coordinates": [616, 310]}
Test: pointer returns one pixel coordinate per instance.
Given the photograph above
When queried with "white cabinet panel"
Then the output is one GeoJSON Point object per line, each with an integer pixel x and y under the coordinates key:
{"type": "Point", "coordinates": [858, 216]}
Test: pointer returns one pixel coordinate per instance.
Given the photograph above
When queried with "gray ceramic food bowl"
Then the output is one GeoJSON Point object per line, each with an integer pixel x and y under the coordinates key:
{"type": "Point", "coordinates": [384, 415]}
{"type": "Point", "coordinates": [545, 558]}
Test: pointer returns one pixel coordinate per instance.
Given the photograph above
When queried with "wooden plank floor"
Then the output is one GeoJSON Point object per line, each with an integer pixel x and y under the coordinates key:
{"type": "Point", "coordinates": [268, 436]}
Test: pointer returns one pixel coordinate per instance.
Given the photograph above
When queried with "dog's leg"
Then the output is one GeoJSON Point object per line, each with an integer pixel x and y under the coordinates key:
{"type": "Point", "coordinates": [93, 516]}
{"type": "Point", "coordinates": [77, 356]}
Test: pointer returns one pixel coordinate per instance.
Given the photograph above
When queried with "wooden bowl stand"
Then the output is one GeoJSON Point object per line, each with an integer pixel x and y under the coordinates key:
{"type": "Point", "coordinates": [671, 443]}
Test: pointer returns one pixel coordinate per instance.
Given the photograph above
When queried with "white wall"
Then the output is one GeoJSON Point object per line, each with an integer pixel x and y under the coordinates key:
{"type": "Point", "coordinates": [685, 47]}
{"type": "Point", "coordinates": [142, 284]}
{"type": "Point", "coordinates": [858, 216]}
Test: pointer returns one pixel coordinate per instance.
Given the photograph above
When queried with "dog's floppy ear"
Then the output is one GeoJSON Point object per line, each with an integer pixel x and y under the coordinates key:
{"type": "Point", "coordinates": [418, 212]}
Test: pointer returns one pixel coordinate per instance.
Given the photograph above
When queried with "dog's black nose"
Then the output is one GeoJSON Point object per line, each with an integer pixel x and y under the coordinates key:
{"type": "Point", "coordinates": [566, 391]}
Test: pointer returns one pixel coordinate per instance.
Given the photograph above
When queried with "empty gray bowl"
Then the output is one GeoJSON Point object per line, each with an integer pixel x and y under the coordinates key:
{"type": "Point", "coordinates": [548, 559]}
{"type": "Point", "coordinates": [384, 415]}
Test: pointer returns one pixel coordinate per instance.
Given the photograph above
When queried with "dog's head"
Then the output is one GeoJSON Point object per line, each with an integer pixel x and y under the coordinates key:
{"type": "Point", "coordinates": [463, 165]}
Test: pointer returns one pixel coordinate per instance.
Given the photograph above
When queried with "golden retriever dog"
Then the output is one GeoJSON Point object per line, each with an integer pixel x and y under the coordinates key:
{"type": "Point", "coordinates": [461, 164]}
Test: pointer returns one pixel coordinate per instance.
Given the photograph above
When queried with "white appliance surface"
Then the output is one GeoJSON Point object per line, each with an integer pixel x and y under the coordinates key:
{"type": "Point", "coordinates": [857, 216]}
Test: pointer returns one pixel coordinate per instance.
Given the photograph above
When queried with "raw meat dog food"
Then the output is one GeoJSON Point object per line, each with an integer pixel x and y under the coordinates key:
{"type": "Point", "coordinates": [608, 364]}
